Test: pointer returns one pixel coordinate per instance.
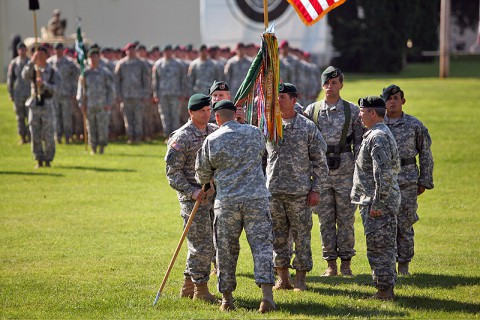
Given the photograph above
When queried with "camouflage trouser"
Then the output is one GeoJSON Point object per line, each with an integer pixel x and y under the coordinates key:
{"type": "Point", "coordinates": [230, 219]}
{"type": "Point", "coordinates": [63, 117]}
{"type": "Point", "coordinates": [381, 246]}
{"type": "Point", "coordinates": [407, 216]}
{"type": "Point", "coordinates": [149, 119]}
{"type": "Point", "coordinates": [199, 241]}
{"type": "Point", "coordinates": [117, 126]}
{"type": "Point", "coordinates": [77, 121]}
{"type": "Point", "coordinates": [97, 125]}
{"type": "Point", "coordinates": [132, 109]}
{"type": "Point", "coordinates": [40, 120]}
{"type": "Point", "coordinates": [292, 216]}
{"type": "Point", "coordinates": [21, 112]}
{"type": "Point", "coordinates": [169, 109]}
{"type": "Point", "coordinates": [337, 216]}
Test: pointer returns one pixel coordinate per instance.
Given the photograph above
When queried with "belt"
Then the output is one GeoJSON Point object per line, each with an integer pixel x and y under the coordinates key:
{"type": "Point", "coordinates": [408, 161]}
{"type": "Point", "coordinates": [346, 148]}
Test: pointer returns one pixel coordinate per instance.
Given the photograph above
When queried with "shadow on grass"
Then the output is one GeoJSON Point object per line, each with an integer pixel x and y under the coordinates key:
{"type": "Point", "coordinates": [426, 280]}
{"type": "Point", "coordinates": [138, 155]}
{"type": "Point", "coordinates": [95, 169]}
{"type": "Point", "coordinates": [32, 173]}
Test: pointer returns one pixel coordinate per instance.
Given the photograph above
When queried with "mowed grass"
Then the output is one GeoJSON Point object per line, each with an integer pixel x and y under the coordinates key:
{"type": "Point", "coordinates": [92, 236]}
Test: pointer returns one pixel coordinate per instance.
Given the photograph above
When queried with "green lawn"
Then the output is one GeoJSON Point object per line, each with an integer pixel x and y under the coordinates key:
{"type": "Point", "coordinates": [92, 236]}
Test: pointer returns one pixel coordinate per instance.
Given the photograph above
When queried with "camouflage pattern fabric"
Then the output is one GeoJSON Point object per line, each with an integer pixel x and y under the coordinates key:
{"type": "Point", "coordinates": [19, 91]}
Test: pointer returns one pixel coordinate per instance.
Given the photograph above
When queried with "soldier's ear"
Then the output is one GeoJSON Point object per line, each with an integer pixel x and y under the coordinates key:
{"type": "Point", "coordinates": [404, 100]}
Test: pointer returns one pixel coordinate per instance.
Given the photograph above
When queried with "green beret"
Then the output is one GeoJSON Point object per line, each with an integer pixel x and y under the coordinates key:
{"type": "Point", "coordinates": [371, 102]}
{"type": "Point", "coordinates": [21, 45]}
{"type": "Point", "coordinates": [198, 101]}
{"type": "Point", "coordinates": [93, 51]}
{"type": "Point", "coordinates": [390, 90]}
{"type": "Point", "coordinates": [167, 47]}
{"type": "Point", "coordinates": [330, 73]}
{"type": "Point", "coordinates": [219, 86]}
{"type": "Point", "coordinates": [58, 45]}
{"type": "Point", "coordinates": [224, 104]}
{"type": "Point", "coordinates": [287, 88]}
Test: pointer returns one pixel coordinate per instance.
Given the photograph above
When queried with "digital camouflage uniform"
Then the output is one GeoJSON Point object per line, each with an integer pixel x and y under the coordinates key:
{"type": "Point", "coordinates": [41, 117]}
{"type": "Point", "coordinates": [236, 71]}
{"type": "Point", "coordinates": [100, 92]}
{"type": "Point", "coordinates": [65, 95]}
{"type": "Point", "coordinates": [412, 139]}
{"type": "Point", "coordinates": [169, 86]}
{"type": "Point", "coordinates": [149, 107]}
{"type": "Point", "coordinates": [295, 166]}
{"type": "Point", "coordinates": [232, 155]}
{"type": "Point", "coordinates": [289, 69]}
{"type": "Point", "coordinates": [183, 145]}
{"type": "Point", "coordinates": [375, 187]}
{"type": "Point", "coordinates": [132, 87]}
{"type": "Point", "coordinates": [19, 91]}
{"type": "Point", "coordinates": [201, 74]}
{"type": "Point", "coordinates": [116, 124]}
{"type": "Point", "coordinates": [335, 211]}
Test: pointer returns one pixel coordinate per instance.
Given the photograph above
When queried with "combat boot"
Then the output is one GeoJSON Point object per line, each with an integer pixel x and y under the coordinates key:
{"type": "Point", "coordinates": [47, 164]}
{"type": "Point", "coordinates": [187, 289]}
{"type": "Point", "coordinates": [93, 150]}
{"type": "Point", "coordinates": [23, 139]}
{"type": "Point", "coordinates": [403, 269]}
{"type": "Point", "coordinates": [227, 302]}
{"type": "Point", "coordinates": [102, 149]}
{"type": "Point", "coordinates": [331, 269]}
{"type": "Point", "coordinates": [283, 279]}
{"type": "Point", "coordinates": [384, 294]}
{"type": "Point", "coordinates": [299, 284]}
{"type": "Point", "coordinates": [201, 293]}
{"type": "Point", "coordinates": [39, 164]}
{"type": "Point", "coordinates": [267, 303]}
{"type": "Point", "coordinates": [345, 269]}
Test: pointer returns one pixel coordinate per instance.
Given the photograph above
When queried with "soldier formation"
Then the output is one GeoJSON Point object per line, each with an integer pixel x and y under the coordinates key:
{"type": "Point", "coordinates": [328, 163]}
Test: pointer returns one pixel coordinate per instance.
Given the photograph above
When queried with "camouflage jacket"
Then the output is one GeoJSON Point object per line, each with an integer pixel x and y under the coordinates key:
{"type": "Point", "coordinates": [169, 78]}
{"type": "Point", "coordinates": [100, 87]}
{"type": "Point", "coordinates": [18, 88]}
{"type": "Point", "coordinates": [50, 79]}
{"type": "Point", "coordinates": [132, 79]}
{"type": "Point", "coordinates": [297, 164]}
{"type": "Point", "coordinates": [201, 75]}
{"type": "Point", "coordinates": [413, 139]}
{"type": "Point", "coordinates": [68, 72]}
{"type": "Point", "coordinates": [236, 71]}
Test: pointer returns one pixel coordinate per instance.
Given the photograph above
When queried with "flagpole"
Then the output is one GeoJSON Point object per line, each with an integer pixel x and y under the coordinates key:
{"type": "Point", "coordinates": [444, 39]}
{"type": "Point", "coordinates": [265, 13]}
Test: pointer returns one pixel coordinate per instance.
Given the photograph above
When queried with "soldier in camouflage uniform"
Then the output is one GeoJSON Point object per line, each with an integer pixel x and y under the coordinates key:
{"type": "Point", "coordinates": [19, 91]}
{"type": "Point", "coordinates": [149, 107]}
{"type": "Point", "coordinates": [183, 145]}
{"type": "Point", "coordinates": [169, 88]}
{"type": "Point", "coordinates": [297, 173]}
{"type": "Point", "coordinates": [289, 65]}
{"type": "Point", "coordinates": [236, 68]}
{"type": "Point", "coordinates": [376, 191]}
{"type": "Point", "coordinates": [412, 139]}
{"type": "Point", "coordinates": [335, 212]}
{"type": "Point", "coordinates": [133, 87]}
{"type": "Point", "coordinates": [97, 100]}
{"type": "Point", "coordinates": [202, 72]}
{"type": "Point", "coordinates": [232, 155]}
{"type": "Point", "coordinates": [65, 96]}
{"type": "Point", "coordinates": [43, 81]}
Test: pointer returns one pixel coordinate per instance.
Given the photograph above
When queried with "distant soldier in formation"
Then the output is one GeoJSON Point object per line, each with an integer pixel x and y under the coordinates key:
{"type": "Point", "coordinates": [236, 68]}
{"type": "Point", "coordinates": [169, 89]}
{"type": "Point", "coordinates": [19, 91]}
{"type": "Point", "coordinates": [297, 173]}
{"type": "Point", "coordinates": [133, 87]}
{"type": "Point", "coordinates": [289, 65]}
{"type": "Point", "coordinates": [149, 107]}
{"type": "Point", "coordinates": [96, 100]}
{"type": "Point", "coordinates": [412, 139]}
{"type": "Point", "coordinates": [339, 122]}
{"type": "Point", "coordinates": [233, 155]}
{"type": "Point", "coordinates": [44, 82]}
{"type": "Point", "coordinates": [202, 72]}
{"type": "Point", "coordinates": [64, 98]}
{"type": "Point", "coordinates": [376, 191]}
{"type": "Point", "coordinates": [183, 145]}
{"type": "Point", "coordinates": [314, 85]}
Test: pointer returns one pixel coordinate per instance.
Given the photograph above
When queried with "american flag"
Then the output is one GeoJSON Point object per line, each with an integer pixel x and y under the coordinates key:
{"type": "Point", "coordinates": [310, 11]}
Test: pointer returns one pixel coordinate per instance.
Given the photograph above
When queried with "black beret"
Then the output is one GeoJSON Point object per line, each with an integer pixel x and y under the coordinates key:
{"type": "Point", "coordinates": [198, 101]}
{"type": "Point", "coordinates": [42, 48]}
{"type": "Point", "coordinates": [371, 102]}
{"type": "Point", "coordinates": [287, 88]}
{"type": "Point", "coordinates": [202, 47]}
{"type": "Point", "coordinates": [93, 51]}
{"type": "Point", "coordinates": [219, 86]}
{"type": "Point", "coordinates": [58, 45]}
{"type": "Point", "coordinates": [390, 90]}
{"type": "Point", "coordinates": [21, 45]}
{"type": "Point", "coordinates": [330, 73]}
{"type": "Point", "coordinates": [154, 48]}
{"type": "Point", "coordinates": [224, 104]}
{"type": "Point", "coordinates": [167, 47]}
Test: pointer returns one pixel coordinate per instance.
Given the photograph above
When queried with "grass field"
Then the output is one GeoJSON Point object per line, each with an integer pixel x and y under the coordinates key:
{"type": "Point", "coordinates": [92, 236]}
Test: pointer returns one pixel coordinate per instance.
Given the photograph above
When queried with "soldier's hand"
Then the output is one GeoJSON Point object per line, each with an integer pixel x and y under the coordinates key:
{"type": "Point", "coordinates": [199, 195]}
{"type": "Point", "coordinates": [240, 115]}
{"type": "Point", "coordinates": [420, 190]}
{"type": "Point", "coordinates": [39, 81]}
{"type": "Point", "coordinates": [375, 213]}
{"type": "Point", "coordinates": [156, 100]}
{"type": "Point", "coordinates": [313, 198]}
{"type": "Point", "coordinates": [211, 190]}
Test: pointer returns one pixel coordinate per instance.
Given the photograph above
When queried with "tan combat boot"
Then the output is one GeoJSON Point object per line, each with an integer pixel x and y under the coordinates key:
{"type": "Point", "coordinates": [39, 164]}
{"type": "Point", "coordinates": [227, 302]}
{"type": "Point", "coordinates": [299, 284]}
{"type": "Point", "coordinates": [345, 269]}
{"type": "Point", "coordinates": [403, 269]}
{"type": "Point", "coordinates": [331, 269]}
{"type": "Point", "coordinates": [283, 279]}
{"type": "Point", "coordinates": [201, 292]}
{"type": "Point", "coordinates": [187, 289]}
{"type": "Point", "coordinates": [267, 304]}
{"type": "Point", "coordinates": [384, 294]}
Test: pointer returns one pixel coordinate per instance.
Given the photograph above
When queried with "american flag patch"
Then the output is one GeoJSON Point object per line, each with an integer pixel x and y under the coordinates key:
{"type": "Point", "coordinates": [175, 145]}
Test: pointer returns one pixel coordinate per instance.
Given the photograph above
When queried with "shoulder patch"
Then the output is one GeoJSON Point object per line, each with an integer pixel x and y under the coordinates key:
{"type": "Point", "coordinates": [175, 145]}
